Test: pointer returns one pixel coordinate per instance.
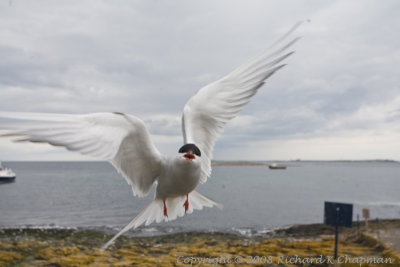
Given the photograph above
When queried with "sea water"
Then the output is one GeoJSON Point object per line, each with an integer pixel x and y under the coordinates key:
{"type": "Point", "coordinates": [92, 195]}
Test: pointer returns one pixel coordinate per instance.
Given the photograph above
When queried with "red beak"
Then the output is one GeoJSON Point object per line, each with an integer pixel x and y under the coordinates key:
{"type": "Point", "coordinates": [189, 156]}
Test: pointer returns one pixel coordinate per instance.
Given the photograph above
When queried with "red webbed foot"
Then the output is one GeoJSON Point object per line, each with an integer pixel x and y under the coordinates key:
{"type": "Point", "coordinates": [186, 204]}
{"type": "Point", "coordinates": [165, 210]}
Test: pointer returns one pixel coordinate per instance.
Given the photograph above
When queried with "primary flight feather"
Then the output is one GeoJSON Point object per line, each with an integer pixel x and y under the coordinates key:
{"type": "Point", "coordinates": [125, 142]}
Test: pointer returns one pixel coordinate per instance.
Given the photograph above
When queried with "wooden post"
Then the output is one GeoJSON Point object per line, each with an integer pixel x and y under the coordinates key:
{"type": "Point", "coordinates": [365, 213]}
{"type": "Point", "coordinates": [336, 232]}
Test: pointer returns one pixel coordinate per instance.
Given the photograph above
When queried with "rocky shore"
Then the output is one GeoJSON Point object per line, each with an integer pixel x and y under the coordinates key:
{"type": "Point", "coordinates": [304, 245]}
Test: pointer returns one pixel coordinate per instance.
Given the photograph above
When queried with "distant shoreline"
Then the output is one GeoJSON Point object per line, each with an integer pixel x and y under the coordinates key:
{"type": "Point", "coordinates": [268, 162]}
{"type": "Point", "coordinates": [239, 163]}
{"type": "Point", "coordinates": [228, 162]}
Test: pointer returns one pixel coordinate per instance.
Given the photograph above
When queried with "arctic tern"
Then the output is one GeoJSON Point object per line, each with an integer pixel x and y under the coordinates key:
{"type": "Point", "coordinates": [125, 142]}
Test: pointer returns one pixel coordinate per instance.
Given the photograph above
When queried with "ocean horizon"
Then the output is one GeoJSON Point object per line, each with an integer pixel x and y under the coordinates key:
{"type": "Point", "coordinates": [256, 200]}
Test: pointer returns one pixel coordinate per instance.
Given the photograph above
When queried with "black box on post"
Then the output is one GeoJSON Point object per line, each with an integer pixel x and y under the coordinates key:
{"type": "Point", "coordinates": [338, 214]}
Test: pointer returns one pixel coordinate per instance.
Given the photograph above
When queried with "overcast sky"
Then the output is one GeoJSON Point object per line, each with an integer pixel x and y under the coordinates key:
{"type": "Point", "coordinates": [338, 97]}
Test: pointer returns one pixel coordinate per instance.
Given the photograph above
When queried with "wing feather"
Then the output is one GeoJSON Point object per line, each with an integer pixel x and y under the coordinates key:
{"type": "Point", "coordinates": [207, 112]}
{"type": "Point", "coordinates": [119, 138]}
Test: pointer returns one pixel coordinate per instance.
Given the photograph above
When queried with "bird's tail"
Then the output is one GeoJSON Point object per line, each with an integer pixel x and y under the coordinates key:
{"type": "Point", "coordinates": [175, 207]}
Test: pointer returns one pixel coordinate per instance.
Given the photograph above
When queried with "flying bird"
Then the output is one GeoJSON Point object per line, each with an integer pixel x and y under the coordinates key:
{"type": "Point", "coordinates": [125, 142]}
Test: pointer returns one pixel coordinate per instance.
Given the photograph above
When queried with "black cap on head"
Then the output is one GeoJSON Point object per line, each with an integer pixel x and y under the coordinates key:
{"type": "Point", "coordinates": [192, 147]}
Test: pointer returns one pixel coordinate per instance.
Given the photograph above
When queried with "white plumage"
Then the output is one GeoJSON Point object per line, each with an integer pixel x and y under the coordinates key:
{"type": "Point", "coordinates": [124, 141]}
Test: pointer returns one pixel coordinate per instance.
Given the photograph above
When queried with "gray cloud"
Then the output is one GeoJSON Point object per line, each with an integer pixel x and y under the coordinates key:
{"type": "Point", "coordinates": [148, 57]}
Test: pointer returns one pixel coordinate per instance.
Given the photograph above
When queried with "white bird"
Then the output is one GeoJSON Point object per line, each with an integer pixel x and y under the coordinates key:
{"type": "Point", "coordinates": [124, 141]}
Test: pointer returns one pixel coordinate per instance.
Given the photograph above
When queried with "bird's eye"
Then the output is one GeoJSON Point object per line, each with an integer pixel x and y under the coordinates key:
{"type": "Point", "coordinates": [197, 152]}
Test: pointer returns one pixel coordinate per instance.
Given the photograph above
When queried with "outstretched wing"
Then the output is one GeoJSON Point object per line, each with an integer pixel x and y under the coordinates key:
{"type": "Point", "coordinates": [119, 138]}
{"type": "Point", "coordinates": [207, 112]}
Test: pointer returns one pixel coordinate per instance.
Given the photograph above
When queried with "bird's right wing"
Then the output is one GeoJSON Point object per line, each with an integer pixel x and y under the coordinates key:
{"type": "Point", "coordinates": [119, 138]}
{"type": "Point", "coordinates": [207, 112]}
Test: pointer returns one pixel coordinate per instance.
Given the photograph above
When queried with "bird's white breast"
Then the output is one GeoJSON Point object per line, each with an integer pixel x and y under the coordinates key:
{"type": "Point", "coordinates": [179, 177]}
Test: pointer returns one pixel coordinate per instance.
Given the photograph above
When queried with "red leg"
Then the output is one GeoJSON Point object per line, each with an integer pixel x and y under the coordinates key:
{"type": "Point", "coordinates": [186, 204]}
{"type": "Point", "coordinates": [165, 209]}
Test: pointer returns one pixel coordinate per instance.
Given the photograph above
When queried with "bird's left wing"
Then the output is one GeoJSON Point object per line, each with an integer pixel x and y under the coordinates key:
{"type": "Point", "coordinates": [119, 138]}
{"type": "Point", "coordinates": [207, 112]}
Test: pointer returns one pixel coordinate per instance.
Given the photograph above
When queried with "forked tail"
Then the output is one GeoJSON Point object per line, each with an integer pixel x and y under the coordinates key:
{"type": "Point", "coordinates": [154, 211]}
